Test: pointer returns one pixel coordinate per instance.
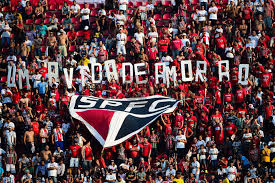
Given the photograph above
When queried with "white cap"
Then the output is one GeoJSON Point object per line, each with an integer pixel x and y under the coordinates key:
{"type": "Point", "coordinates": [86, 27]}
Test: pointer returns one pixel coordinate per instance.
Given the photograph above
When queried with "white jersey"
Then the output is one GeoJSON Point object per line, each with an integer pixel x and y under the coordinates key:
{"type": "Point", "coordinates": [58, 134]}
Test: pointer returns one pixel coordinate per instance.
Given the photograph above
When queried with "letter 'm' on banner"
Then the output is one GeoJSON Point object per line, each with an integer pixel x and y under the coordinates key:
{"type": "Point", "coordinates": [189, 66]}
{"type": "Point", "coordinates": [11, 73]}
{"type": "Point", "coordinates": [158, 75]}
{"type": "Point", "coordinates": [222, 73]}
{"type": "Point", "coordinates": [124, 72]}
{"type": "Point", "coordinates": [246, 71]}
{"type": "Point", "coordinates": [111, 74]}
{"type": "Point", "coordinates": [93, 65]}
{"type": "Point", "coordinates": [52, 71]}
{"type": "Point", "coordinates": [139, 73]}
{"type": "Point", "coordinates": [69, 80]}
{"type": "Point", "coordinates": [24, 75]}
{"type": "Point", "coordinates": [200, 72]}
{"type": "Point", "coordinates": [171, 73]}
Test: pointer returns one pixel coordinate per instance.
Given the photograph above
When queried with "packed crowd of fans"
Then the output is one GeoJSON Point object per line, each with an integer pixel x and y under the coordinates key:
{"type": "Point", "coordinates": [220, 132]}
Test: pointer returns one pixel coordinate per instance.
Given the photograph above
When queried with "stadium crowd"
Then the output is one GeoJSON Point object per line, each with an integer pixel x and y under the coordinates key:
{"type": "Point", "coordinates": [221, 132]}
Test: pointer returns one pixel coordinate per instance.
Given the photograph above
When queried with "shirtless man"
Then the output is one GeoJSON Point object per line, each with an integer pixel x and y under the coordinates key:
{"type": "Point", "coordinates": [51, 43]}
{"type": "Point", "coordinates": [24, 51]}
{"type": "Point", "coordinates": [46, 154]}
{"type": "Point", "coordinates": [29, 141]}
{"type": "Point", "coordinates": [24, 101]}
{"type": "Point", "coordinates": [63, 43]}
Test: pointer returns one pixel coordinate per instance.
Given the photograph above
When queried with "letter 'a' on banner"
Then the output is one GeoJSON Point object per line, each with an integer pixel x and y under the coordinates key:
{"type": "Point", "coordinates": [112, 121]}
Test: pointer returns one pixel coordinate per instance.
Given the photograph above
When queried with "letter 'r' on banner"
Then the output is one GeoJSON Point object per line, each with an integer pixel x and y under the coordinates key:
{"type": "Point", "coordinates": [200, 72]}
{"type": "Point", "coordinates": [69, 80]}
{"type": "Point", "coordinates": [189, 66]}
{"type": "Point", "coordinates": [124, 72]}
{"type": "Point", "coordinates": [139, 73]}
{"type": "Point", "coordinates": [52, 74]}
{"type": "Point", "coordinates": [221, 73]}
{"type": "Point", "coordinates": [93, 65]}
{"type": "Point", "coordinates": [111, 74]}
{"type": "Point", "coordinates": [246, 71]}
{"type": "Point", "coordinates": [157, 74]}
{"type": "Point", "coordinates": [24, 75]}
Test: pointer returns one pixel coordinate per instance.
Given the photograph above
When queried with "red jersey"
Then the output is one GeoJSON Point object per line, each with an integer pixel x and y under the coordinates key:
{"type": "Point", "coordinates": [218, 97]}
{"type": "Point", "coordinates": [35, 126]}
{"type": "Point", "coordinates": [247, 13]}
{"type": "Point", "coordinates": [230, 129]}
{"type": "Point", "coordinates": [88, 153]}
{"type": "Point", "coordinates": [241, 93]}
{"type": "Point", "coordinates": [191, 121]}
{"type": "Point", "coordinates": [146, 149]}
{"type": "Point", "coordinates": [266, 78]}
{"type": "Point", "coordinates": [228, 97]}
{"type": "Point", "coordinates": [75, 151]}
{"type": "Point", "coordinates": [163, 47]}
{"type": "Point", "coordinates": [221, 42]}
{"type": "Point", "coordinates": [176, 44]}
{"type": "Point", "coordinates": [134, 154]}
{"type": "Point", "coordinates": [152, 53]}
{"type": "Point", "coordinates": [268, 111]}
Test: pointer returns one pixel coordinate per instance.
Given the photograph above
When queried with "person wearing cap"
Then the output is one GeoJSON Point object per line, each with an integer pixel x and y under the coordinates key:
{"type": "Point", "coordinates": [27, 177]}
{"type": "Point", "coordinates": [121, 39]}
{"type": "Point", "coordinates": [63, 43]}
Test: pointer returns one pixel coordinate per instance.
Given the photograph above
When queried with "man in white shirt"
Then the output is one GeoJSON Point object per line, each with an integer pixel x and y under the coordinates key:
{"type": "Point", "coordinates": [120, 18]}
{"type": "Point", "coordinates": [123, 4]}
{"type": "Point", "coordinates": [195, 165]}
{"type": "Point", "coordinates": [166, 59]}
{"type": "Point", "coordinates": [52, 170]}
{"type": "Point", "coordinates": [213, 153]}
{"type": "Point", "coordinates": [75, 9]}
{"type": "Point", "coordinates": [254, 39]}
{"type": "Point", "coordinates": [110, 177]}
{"type": "Point", "coordinates": [140, 36]}
{"type": "Point", "coordinates": [202, 14]}
{"type": "Point", "coordinates": [231, 171]}
{"type": "Point", "coordinates": [11, 138]}
{"type": "Point", "coordinates": [121, 39]}
{"type": "Point", "coordinates": [213, 11]}
{"type": "Point", "coordinates": [170, 171]}
{"type": "Point", "coordinates": [85, 12]}
{"type": "Point", "coordinates": [180, 144]}
{"type": "Point", "coordinates": [184, 40]}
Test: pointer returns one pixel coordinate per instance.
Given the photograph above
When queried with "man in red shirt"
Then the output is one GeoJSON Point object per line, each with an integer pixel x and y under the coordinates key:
{"type": "Point", "coordinates": [268, 110]}
{"type": "Point", "coordinates": [240, 94]}
{"type": "Point", "coordinates": [265, 79]}
{"type": "Point", "coordinates": [176, 46]}
{"type": "Point", "coordinates": [191, 120]}
{"type": "Point", "coordinates": [146, 150]}
{"type": "Point", "coordinates": [75, 151]}
{"type": "Point", "coordinates": [152, 54]}
{"type": "Point", "coordinates": [134, 151]}
{"type": "Point", "coordinates": [247, 15]}
{"type": "Point", "coordinates": [230, 129]}
{"type": "Point", "coordinates": [163, 46]}
{"type": "Point", "coordinates": [218, 98]}
{"type": "Point", "coordinates": [220, 45]}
